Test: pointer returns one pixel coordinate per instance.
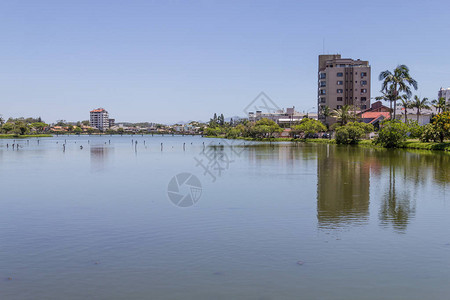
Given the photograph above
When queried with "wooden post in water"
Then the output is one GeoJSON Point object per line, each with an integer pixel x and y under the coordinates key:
{"type": "Point", "coordinates": [161, 146]}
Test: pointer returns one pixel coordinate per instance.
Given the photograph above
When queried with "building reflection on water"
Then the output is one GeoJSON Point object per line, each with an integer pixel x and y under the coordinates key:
{"type": "Point", "coordinates": [343, 186]}
{"type": "Point", "coordinates": [100, 155]}
{"type": "Point", "coordinates": [350, 178]}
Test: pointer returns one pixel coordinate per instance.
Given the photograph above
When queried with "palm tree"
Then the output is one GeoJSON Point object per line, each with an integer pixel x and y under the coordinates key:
{"type": "Point", "coordinates": [440, 104]}
{"type": "Point", "coordinates": [344, 114]}
{"type": "Point", "coordinates": [406, 103]}
{"type": "Point", "coordinates": [420, 104]}
{"type": "Point", "coordinates": [388, 95]}
{"type": "Point", "coordinates": [2, 121]}
{"type": "Point", "coordinates": [326, 112]}
{"type": "Point", "coordinates": [398, 82]}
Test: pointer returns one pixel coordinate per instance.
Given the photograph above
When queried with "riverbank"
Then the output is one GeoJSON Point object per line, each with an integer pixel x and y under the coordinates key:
{"type": "Point", "coordinates": [409, 144]}
{"type": "Point", "coordinates": [26, 136]}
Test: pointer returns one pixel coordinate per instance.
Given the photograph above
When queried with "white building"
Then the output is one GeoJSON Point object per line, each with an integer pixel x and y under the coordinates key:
{"type": "Point", "coordinates": [100, 119]}
{"type": "Point", "coordinates": [288, 116]}
{"type": "Point", "coordinates": [423, 118]}
{"type": "Point", "coordinates": [444, 93]}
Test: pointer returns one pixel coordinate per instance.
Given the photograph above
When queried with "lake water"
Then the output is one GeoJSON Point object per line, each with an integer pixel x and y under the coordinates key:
{"type": "Point", "coordinates": [282, 221]}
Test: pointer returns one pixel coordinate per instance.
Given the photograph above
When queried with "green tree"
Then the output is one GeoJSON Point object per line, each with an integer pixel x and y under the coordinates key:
{"type": "Point", "coordinates": [216, 131]}
{"type": "Point", "coordinates": [429, 133]}
{"type": "Point", "coordinates": [20, 128]}
{"type": "Point", "coordinates": [440, 104]}
{"type": "Point", "coordinates": [39, 126]}
{"type": "Point", "coordinates": [309, 126]}
{"type": "Point", "coordinates": [397, 82]}
{"type": "Point", "coordinates": [61, 123]}
{"type": "Point", "coordinates": [265, 128]}
{"type": "Point", "coordinates": [406, 103]}
{"type": "Point", "coordinates": [414, 129]}
{"type": "Point", "coordinates": [78, 130]}
{"type": "Point", "coordinates": [7, 127]}
{"type": "Point", "coordinates": [388, 95]}
{"type": "Point", "coordinates": [344, 114]}
{"type": "Point", "coordinates": [441, 124]}
{"type": "Point", "coordinates": [353, 132]}
{"type": "Point", "coordinates": [392, 134]}
{"type": "Point", "coordinates": [326, 112]}
{"type": "Point", "coordinates": [420, 104]}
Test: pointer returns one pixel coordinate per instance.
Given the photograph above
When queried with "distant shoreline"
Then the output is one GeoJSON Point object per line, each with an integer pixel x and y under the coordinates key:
{"type": "Point", "coordinates": [25, 136]}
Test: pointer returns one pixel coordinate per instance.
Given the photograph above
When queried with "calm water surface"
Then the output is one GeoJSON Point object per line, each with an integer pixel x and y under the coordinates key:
{"type": "Point", "coordinates": [280, 221]}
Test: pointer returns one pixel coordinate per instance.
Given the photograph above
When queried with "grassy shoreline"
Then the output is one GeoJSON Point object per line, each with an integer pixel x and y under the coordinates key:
{"type": "Point", "coordinates": [26, 136]}
{"type": "Point", "coordinates": [409, 144]}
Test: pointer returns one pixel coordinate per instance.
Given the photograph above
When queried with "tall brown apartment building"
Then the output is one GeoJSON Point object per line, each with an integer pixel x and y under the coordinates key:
{"type": "Point", "coordinates": [342, 81]}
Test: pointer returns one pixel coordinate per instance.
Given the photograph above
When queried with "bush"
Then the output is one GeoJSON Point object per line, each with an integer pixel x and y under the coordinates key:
{"type": "Point", "coordinates": [414, 129]}
{"type": "Point", "coordinates": [441, 125]}
{"type": "Point", "coordinates": [429, 134]}
{"type": "Point", "coordinates": [392, 134]}
{"type": "Point", "coordinates": [352, 133]}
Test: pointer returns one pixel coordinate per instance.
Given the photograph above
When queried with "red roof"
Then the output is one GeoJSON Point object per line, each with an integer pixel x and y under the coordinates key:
{"type": "Point", "coordinates": [374, 115]}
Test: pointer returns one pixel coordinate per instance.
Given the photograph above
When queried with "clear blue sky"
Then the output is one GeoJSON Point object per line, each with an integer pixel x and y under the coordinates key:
{"type": "Point", "coordinates": [165, 61]}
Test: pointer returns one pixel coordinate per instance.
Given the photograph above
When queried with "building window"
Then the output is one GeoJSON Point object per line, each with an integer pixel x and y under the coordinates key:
{"type": "Point", "coordinates": [340, 74]}
{"type": "Point", "coordinates": [339, 98]}
{"type": "Point", "coordinates": [340, 91]}
{"type": "Point", "coordinates": [363, 74]}
{"type": "Point", "coordinates": [363, 99]}
{"type": "Point", "coordinates": [322, 92]}
{"type": "Point", "coordinates": [363, 91]}
{"type": "Point", "coordinates": [340, 83]}
{"type": "Point", "coordinates": [339, 106]}
{"type": "Point", "coordinates": [363, 82]}
{"type": "Point", "coordinates": [322, 75]}
{"type": "Point", "coordinates": [322, 100]}
{"type": "Point", "coordinates": [323, 83]}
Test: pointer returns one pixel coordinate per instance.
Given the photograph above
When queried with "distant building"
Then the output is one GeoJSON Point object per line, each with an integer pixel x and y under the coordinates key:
{"type": "Point", "coordinates": [100, 119]}
{"type": "Point", "coordinates": [288, 116]}
{"type": "Point", "coordinates": [342, 81]}
{"type": "Point", "coordinates": [112, 122]}
{"type": "Point", "coordinates": [444, 93]}
{"type": "Point", "coordinates": [423, 118]}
